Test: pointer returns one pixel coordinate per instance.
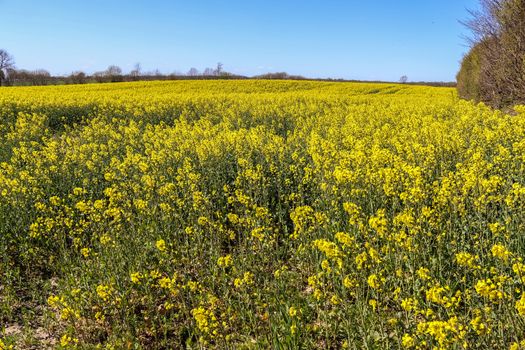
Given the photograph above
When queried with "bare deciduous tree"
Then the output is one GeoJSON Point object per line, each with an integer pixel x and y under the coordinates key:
{"type": "Point", "coordinates": [403, 79]}
{"type": "Point", "coordinates": [193, 72]}
{"type": "Point", "coordinates": [136, 72]}
{"type": "Point", "coordinates": [114, 73]}
{"type": "Point", "coordinates": [218, 70]}
{"type": "Point", "coordinates": [208, 72]}
{"type": "Point", "coordinates": [114, 70]}
{"type": "Point", "coordinates": [77, 78]}
{"type": "Point", "coordinates": [6, 62]}
{"type": "Point", "coordinates": [40, 77]}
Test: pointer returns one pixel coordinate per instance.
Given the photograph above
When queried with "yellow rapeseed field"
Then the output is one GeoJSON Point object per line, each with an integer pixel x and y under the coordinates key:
{"type": "Point", "coordinates": [260, 214]}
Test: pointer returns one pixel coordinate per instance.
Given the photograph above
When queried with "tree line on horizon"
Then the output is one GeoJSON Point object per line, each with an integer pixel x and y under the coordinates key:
{"type": "Point", "coordinates": [493, 71]}
{"type": "Point", "coordinates": [11, 76]}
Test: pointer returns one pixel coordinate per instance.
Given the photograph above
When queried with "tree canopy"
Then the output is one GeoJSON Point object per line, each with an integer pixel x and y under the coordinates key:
{"type": "Point", "coordinates": [493, 71]}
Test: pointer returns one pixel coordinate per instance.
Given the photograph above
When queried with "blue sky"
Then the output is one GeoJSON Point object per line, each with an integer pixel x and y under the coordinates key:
{"type": "Point", "coordinates": [351, 39]}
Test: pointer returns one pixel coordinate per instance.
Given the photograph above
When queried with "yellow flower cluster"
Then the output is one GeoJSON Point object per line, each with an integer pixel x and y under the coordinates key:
{"type": "Point", "coordinates": [261, 214]}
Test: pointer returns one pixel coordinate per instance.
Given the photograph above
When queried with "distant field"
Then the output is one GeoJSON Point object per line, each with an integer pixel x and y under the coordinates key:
{"type": "Point", "coordinates": [259, 214]}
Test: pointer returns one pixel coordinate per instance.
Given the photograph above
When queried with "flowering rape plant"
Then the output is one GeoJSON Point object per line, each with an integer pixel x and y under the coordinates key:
{"type": "Point", "coordinates": [260, 214]}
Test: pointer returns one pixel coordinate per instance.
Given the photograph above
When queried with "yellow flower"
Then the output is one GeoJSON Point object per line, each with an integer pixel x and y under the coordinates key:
{"type": "Point", "coordinates": [200, 315]}
{"type": "Point", "coordinates": [105, 239]}
{"type": "Point", "coordinates": [65, 340]}
{"type": "Point", "coordinates": [135, 277]}
{"type": "Point", "coordinates": [78, 191]}
{"type": "Point", "coordinates": [82, 206]}
{"type": "Point", "coordinates": [225, 261]}
{"type": "Point", "coordinates": [499, 251]}
{"type": "Point", "coordinates": [192, 285]}
{"type": "Point", "coordinates": [520, 305]}
{"type": "Point", "coordinates": [292, 311]}
{"type": "Point", "coordinates": [408, 341]}
{"type": "Point", "coordinates": [409, 304]}
{"type": "Point", "coordinates": [165, 282]}
{"type": "Point", "coordinates": [335, 300]}
{"type": "Point", "coordinates": [350, 282]}
{"type": "Point", "coordinates": [393, 321]}
{"type": "Point", "coordinates": [519, 269]}
{"type": "Point", "coordinates": [361, 259]}
{"type": "Point", "coordinates": [375, 281]}
{"type": "Point", "coordinates": [467, 260]}
{"type": "Point", "coordinates": [434, 294]}
{"type": "Point", "coordinates": [423, 273]}
{"type": "Point", "coordinates": [479, 326]}
{"type": "Point", "coordinates": [85, 252]}
{"type": "Point", "coordinates": [330, 249]}
{"type": "Point", "coordinates": [248, 278]}
{"type": "Point", "coordinates": [5, 347]}
{"type": "Point", "coordinates": [345, 239]}
{"type": "Point", "coordinates": [487, 288]}
{"type": "Point", "coordinates": [202, 220]}
{"type": "Point", "coordinates": [104, 292]}
{"type": "Point", "coordinates": [258, 233]}
{"type": "Point", "coordinates": [161, 245]}
{"type": "Point", "coordinates": [325, 265]}
{"type": "Point", "coordinates": [154, 273]}
{"type": "Point", "coordinates": [54, 300]}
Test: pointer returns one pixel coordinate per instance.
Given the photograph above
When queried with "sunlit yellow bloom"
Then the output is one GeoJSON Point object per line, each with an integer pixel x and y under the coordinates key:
{"type": "Point", "coordinates": [292, 311]}
{"type": "Point", "coordinates": [161, 245]}
{"type": "Point", "coordinates": [408, 341]}
{"type": "Point", "coordinates": [520, 305]}
{"type": "Point", "coordinates": [423, 273]}
{"type": "Point", "coordinates": [104, 292]}
{"type": "Point", "coordinates": [85, 252]}
{"type": "Point", "coordinates": [409, 304]}
{"type": "Point", "coordinates": [467, 260]}
{"type": "Point", "coordinates": [136, 277]}
{"type": "Point", "coordinates": [499, 251]}
{"type": "Point", "coordinates": [225, 261]}
{"type": "Point", "coordinates": [375, 281]}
